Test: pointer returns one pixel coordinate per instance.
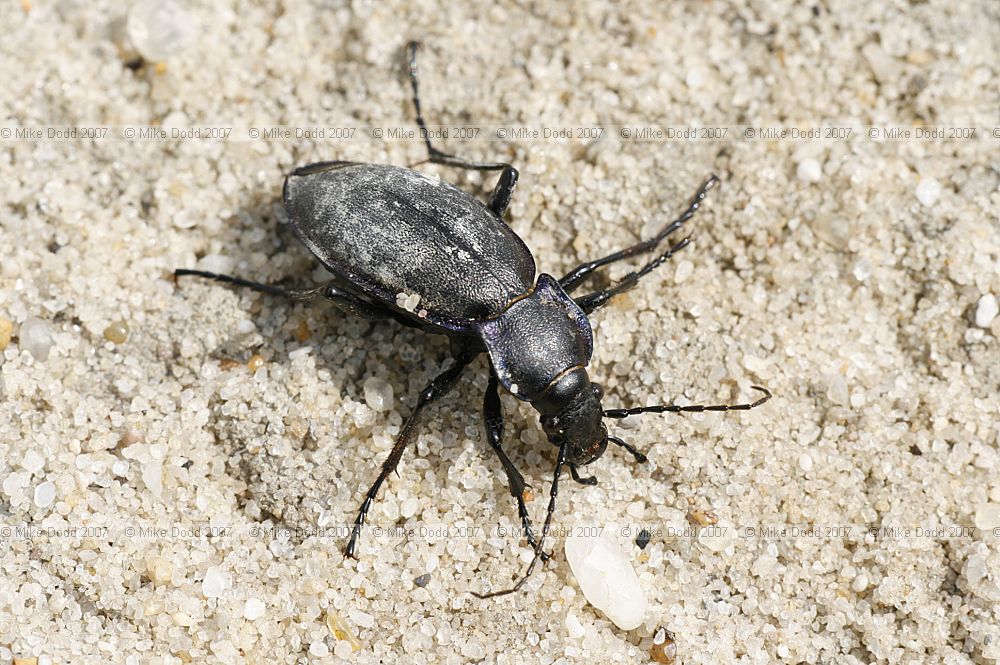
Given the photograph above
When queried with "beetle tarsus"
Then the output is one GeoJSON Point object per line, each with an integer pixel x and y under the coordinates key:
{"type": "Point", "coordinates": [553, 493]}
{"type": "Point", "coordinates": [503, 191]}
{"type": "Point", "coordinates": [236, 281]}
{"type": "Point", "coordinates": [583, 480]}
{"type": "Point", "coordinates": [575, 277]}
{"type": "Point", "coordinates": [440, 386]}
{"type": "Point", "coordinates": [594, 301]}
{"type": "Point", "coordinates": [493, 423]}
{"type": "Point", "coordinates": [639, 457]}
{"type": "Point", "coordinates": [341, 299]}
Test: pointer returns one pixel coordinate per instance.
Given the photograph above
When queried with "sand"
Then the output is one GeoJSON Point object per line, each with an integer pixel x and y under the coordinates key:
{"type": "Point", "coordinates": [178, 461]}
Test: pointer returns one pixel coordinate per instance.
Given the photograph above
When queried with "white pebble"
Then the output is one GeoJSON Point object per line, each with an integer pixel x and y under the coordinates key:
{"type": "Point", "coordinates": [215, 583]}
{"type": "Point", "coordinates": [253, 609]}
{"type": "Point", "coordinates": [217, 263]}
{"type": "Point", "coordinates": [319, 649]}
{"type": "Point", "coordinates": [159, 28]}
{"type": "Point", "coordinates": [837, 390]}
{"type": "Point", "coordinates": [408, 508]}
{"type": "Point", "coordinates": [152, 476]}
{"type": "Point", "coordinates": [181, 619]}
{"type": "Point", "coordinates": [226, 652]}
{"type": "Point", "coordinates": [473, 650]}
{"type": "Point", "coordinates": [862, 270]}
{"type": "Point", "coordinates": [45, 494]}
{"type": "Point", "coordinates": [860, 583]}
{"type": "Point", "coordinates": [342, 649]}
{"type": "Point", "coordinates": [378, 394]}
{"type": "Point", "coordinates": [755, 364]}
{"type": "Point", "coordinates": [574, 627]}
{"type": "Point", "coordinates": [717, 537]}
{"type": "Point", "coordinates": [362, 619]}
{"type": "Point", "coordinates": [36, 338]}
{"type": "Point", "coordinates": [406, 301]}
{"type": "Point", "coordinates": [695, 77]}
{"type": "Point", "coordinates": [987, 310]}
{"type": "Point", "coordinates": [32, 462]}
{"type": "Point", "coordinates": [14, 483]}
{"type": "Point", "coordinates": [809, 170]}
{"type": "Point", "coordinates": [684, 270]}
{"type": "Point", "coordinates": [160, 570]}
{"type": "Point", "coordinates": [928, 191]}
{"type": "Point", "coordinates": [606, 578]}
{"type": "Point", "coordinates": [988, 516]}
{"type": "Point", "coordinates": [805, 462]}
{"type": "Point", "coordinates": [975, 570]}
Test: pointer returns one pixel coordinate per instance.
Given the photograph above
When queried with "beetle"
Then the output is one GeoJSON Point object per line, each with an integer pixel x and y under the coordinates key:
{"type": "Point", "coordinates": [385, 232]}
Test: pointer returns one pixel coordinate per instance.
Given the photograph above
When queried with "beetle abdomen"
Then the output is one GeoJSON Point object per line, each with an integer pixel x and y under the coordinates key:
{"type": "Point", "coordinates": [389, 230]}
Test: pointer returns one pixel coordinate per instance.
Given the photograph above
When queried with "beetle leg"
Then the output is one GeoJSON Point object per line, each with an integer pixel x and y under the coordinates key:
{"type": "Point", "coordinates": [343, 300]}
{"type": "Point", "coordinates": [493, 421]}
{"type": "Point", "coordinates": [292, 294]}
{"type": "Point", "coordinates": [574, 277]}
{"type": "Point", "coordinates": [237, 281]}
{"type": "Point", "coordinates": [553, 493]}
{"type": "Point", "coordinates": [588, 480]}
{"type": "Point", "coordinates": [593, 301]}
{"type": "Point", "coordinates": [433, 154]}
{"type": "Point", "coordinates": [503, 191]}
{"type": "Point", "coordinates": [639, 457]}
{"type": "Point", "coordinates": [352, 304]}
{"type": "Point", "coordinates": [437, 388]}
{"type": "Point", "coordinates": [505, 185]}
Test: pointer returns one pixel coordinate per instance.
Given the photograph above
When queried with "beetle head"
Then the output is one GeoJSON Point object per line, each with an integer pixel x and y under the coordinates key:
{"type": "Point", "coordinates": [573, 414]}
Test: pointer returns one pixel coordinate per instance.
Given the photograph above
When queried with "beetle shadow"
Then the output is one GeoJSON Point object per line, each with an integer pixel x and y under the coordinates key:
{"type": "Point", "coordinates": [263, 248]}
{"type": "Point", "coordinates": [299, 496]}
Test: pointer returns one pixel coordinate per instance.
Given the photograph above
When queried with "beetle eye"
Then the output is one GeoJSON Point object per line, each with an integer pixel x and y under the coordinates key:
{"type": "Point", "coordinates": [598, 390]}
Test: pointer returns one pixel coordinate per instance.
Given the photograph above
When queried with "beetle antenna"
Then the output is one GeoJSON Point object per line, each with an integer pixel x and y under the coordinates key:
{"type": "Point", "coordinates": [639, 457]}
{"type": "Point", "coordinates": [560, 461]}
{"type": "Point", "coordinates": [697, 408]}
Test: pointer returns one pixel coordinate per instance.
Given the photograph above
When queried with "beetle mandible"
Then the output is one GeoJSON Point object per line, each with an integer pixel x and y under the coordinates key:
{"type": "Point", "coordinates": [386, 230]}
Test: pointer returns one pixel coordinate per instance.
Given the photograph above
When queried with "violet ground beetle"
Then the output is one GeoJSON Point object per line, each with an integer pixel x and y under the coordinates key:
{"type": "Point", "coordinates": [385, 230]}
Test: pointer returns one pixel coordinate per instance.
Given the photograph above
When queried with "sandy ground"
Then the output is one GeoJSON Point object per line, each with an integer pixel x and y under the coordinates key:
{"type": "Point", "coordinates": [169, 453]}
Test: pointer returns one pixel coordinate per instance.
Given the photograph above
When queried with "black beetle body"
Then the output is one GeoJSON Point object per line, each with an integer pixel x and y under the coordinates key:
{"type": "Point", "coordinates": [386, 232]}
{"type": "Point", "coordinates": [405, 246]}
